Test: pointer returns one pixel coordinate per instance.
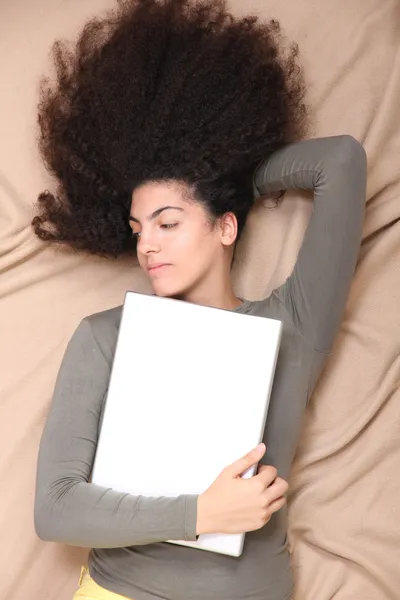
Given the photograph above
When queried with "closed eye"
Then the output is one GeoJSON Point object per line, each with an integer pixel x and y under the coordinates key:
{"type": "Point", "coordinates": [168, 225]}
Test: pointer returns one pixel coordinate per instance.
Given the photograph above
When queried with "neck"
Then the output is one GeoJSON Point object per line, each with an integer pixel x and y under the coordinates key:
{"type": "Point", "coordinates": [227, 301]}
{"type": "Point", "coordinates": [215, 291]}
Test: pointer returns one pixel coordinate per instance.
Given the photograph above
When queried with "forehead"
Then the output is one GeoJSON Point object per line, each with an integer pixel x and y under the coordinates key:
{"type": "Point", "coordinates": [154, 195]}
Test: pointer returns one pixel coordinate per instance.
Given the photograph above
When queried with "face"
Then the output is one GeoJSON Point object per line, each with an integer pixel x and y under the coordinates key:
{"type": "Point", "coordinates": [177, 245]}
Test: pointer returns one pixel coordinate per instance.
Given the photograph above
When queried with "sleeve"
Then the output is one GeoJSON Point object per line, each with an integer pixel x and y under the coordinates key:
{"type": "Point", "coordinates": [316, 292]}
{"type": "Point", "coordinates": [69, 509]}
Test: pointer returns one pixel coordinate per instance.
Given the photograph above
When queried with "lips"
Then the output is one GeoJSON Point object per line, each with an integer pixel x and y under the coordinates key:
{"type": "Point", "coordinates": [156, 268]}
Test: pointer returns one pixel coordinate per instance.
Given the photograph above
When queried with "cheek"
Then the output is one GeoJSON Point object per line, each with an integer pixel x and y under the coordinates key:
{"type": "Point", "coordinates": [185, 243]}
{"type": "Point", "coordinates": [193, 248]}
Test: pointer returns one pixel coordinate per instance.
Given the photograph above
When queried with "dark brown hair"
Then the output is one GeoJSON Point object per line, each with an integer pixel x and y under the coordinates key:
{"type": "Point", "coordinates": [161, 90]}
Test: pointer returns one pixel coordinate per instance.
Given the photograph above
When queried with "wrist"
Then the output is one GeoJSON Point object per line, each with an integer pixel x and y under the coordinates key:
{"type": "Point", "coordinates": [204, 517]}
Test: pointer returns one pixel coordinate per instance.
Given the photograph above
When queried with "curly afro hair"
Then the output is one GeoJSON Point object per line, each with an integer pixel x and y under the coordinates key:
{"type": "Point", "coordinates": [160, 90]}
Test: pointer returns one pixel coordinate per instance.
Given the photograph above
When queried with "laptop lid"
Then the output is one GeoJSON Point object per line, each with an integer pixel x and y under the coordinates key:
{"type": "Point", "coordinates": [189, 390]}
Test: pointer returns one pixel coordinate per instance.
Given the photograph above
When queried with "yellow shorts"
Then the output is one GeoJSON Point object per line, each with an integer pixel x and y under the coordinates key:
{"type": "Point", "coordinates": [89, 590]}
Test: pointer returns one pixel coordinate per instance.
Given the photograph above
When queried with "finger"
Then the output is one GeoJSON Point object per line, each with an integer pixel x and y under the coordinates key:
{"type": "Point", "coordinates": [267, 474]}
{"type": "Point", "coordinates": [240, 466]}
{"type": "Point", "coordinates": [263, 468]}
{"type": "Point", "coordinates": [277, 504]}
{"type": "Point", "coordinates": [276, 490]}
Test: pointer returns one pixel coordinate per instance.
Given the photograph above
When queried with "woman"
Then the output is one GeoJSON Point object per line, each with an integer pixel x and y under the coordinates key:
{"type": "Point", "coordinates": [163, 122]}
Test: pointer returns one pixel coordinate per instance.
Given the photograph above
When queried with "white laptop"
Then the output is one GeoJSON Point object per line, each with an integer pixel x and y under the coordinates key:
{"type": "Point", "coordinates": [190, 387]}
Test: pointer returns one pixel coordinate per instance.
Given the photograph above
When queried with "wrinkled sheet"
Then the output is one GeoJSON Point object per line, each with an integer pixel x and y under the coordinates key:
{"type": "Point", "coordinates": [344, 501]}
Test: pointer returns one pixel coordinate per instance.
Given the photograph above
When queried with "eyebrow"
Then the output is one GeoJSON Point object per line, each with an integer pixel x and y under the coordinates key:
{"type": "Point", "coordinates": [156, 213]}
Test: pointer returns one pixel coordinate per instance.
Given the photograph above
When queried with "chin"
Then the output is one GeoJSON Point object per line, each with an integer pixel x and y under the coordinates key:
{"type": "Point", "coordinates": [167, 290]}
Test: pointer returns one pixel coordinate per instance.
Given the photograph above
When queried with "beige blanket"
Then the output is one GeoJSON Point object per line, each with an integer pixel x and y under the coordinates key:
{"type": "Point", "coordinates": [345, 489]}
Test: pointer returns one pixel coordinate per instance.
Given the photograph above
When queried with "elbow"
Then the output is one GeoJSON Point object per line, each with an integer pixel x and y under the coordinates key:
{"type": "Point", "coordinates": [55, 520]}
{"type": "Point", "coordinates": [41, 529]}
{"type": "Point", "coordinates": [349, 151]}
{"type": "Point", "coordinates": [43, 523]}
{"type": "Point", "coordinates": [46, 519]}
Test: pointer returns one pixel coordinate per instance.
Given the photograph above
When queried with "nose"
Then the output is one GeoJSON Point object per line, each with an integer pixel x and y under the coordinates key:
{"type": "Point", "coordinates": [147, 243]}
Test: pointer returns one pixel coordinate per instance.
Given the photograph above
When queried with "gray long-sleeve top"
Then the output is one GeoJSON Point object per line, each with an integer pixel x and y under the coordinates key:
{"type": "Point", "coordinates": [126, 533]}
